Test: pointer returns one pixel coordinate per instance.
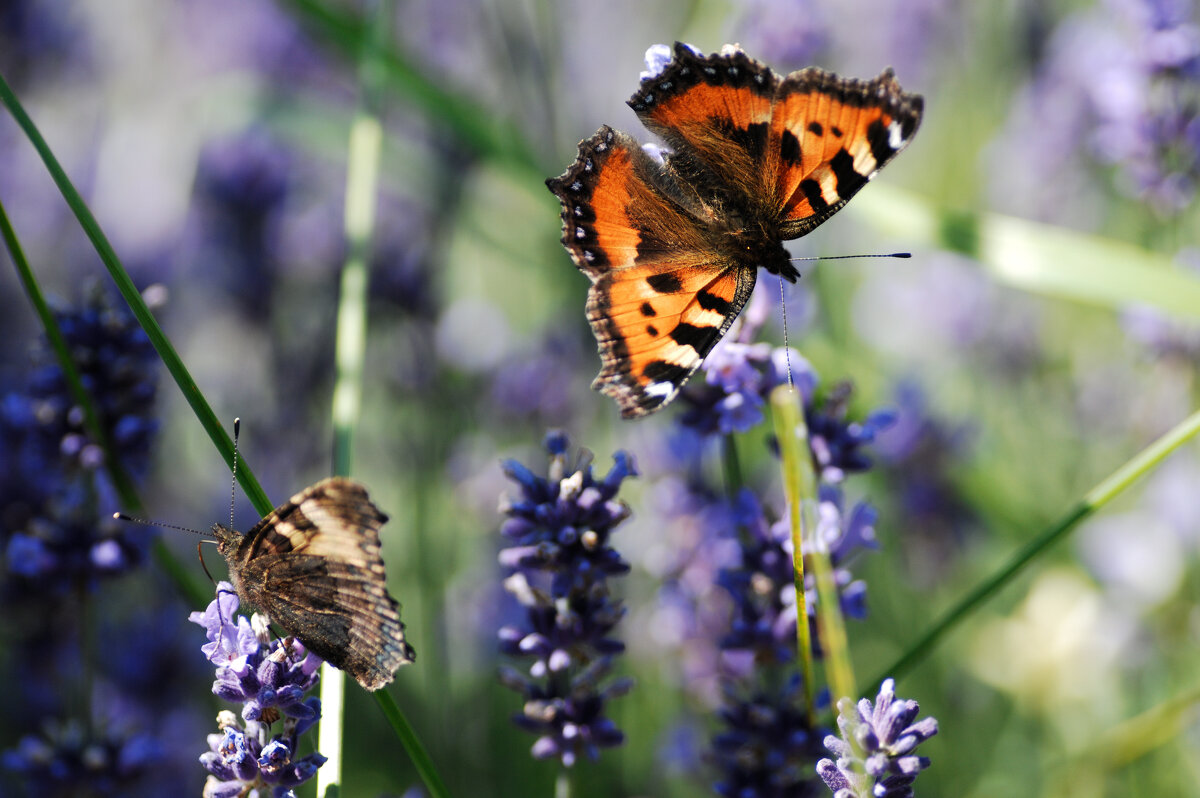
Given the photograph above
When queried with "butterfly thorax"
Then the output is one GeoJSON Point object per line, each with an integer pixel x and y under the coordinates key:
{"type": "Point", "coordinates": [761, 248]}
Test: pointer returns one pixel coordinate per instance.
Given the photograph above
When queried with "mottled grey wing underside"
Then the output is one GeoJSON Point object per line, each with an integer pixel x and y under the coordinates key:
{"type": "Point", "coordinates": [313, 566]}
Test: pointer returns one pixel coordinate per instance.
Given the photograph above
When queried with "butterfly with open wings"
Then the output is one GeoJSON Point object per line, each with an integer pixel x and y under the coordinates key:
{"type": "Point", "coordinates": [673, 245]}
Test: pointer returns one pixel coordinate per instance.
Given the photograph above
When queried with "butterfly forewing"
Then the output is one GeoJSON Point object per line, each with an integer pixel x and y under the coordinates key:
{"type": "Point", "coordinates": [715, 114]}
{"type": "Point", "coordinates": [313, 566]}
{"type": "Point", "coordinates": [833, 135]}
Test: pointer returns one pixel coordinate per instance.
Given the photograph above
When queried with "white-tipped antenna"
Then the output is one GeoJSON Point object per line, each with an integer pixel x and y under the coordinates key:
{"type": "Point", "coordinates": [787, 353]}
{"type": "Point", "coordinates": [846, 257]}
{"type": "Point", "coordinates": [237, 426]}
{"type": "Point", "coordinates": [145, 522]}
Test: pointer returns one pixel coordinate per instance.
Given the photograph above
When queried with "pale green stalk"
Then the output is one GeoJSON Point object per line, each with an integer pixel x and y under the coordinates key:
{"type": "Point", "coordinates": [800, 487]}
{"type": "Point", "coordinates": [362, 178]}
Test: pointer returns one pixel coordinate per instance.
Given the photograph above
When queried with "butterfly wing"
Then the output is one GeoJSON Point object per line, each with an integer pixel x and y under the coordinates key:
{"type": "Point", "coordinates": [313, 566]}
{"type": "Point", "coordinates": [662, 293]}
{"type": "Point", "coordinates": [790, 151]}
{"type": "Point", "coordinates": [715, 112]}
{"type": "Point", "coordinates": [831, 136]}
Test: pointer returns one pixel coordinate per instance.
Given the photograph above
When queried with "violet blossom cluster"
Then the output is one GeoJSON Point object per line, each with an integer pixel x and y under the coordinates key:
{"type": "Point", "coordinates": [768, 741]}
{"type": "Point", "coordinates": [875, 756]}
{"type": "Point", "coordinates": [558, 565]}
{"type": "Point", "coordinates": [257, 750]}
{"type": "Point", "coordinates": [54, 490]}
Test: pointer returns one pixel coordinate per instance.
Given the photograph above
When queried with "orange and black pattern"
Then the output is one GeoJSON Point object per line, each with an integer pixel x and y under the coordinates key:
{"type": "Point", "coordinates": [673, 247]}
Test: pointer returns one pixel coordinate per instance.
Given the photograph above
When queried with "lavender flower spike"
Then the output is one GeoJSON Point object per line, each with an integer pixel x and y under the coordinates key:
{"type": "Point", "coordinates": [269, 679]}
{"type": "Point", "coordinates": [558, 568]}
{"type": "Point", "coordinates": [875, 752]}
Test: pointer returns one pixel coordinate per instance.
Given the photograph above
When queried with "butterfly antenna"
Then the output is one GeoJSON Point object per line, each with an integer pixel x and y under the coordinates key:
{"type": "Point", "coordinates": [847, 257]}
{"type": "Point", "coordinates": [787, 353]}
{"type": "Point", "coordinates": [237, 427]}
{"type": "Point", "coordinates": [145, 522]}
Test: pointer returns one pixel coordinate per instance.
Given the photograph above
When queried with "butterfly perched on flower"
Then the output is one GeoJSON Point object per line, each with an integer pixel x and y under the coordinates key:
{"type": "Point", "coordinates": [313, 566]}
{"type": "Point", "coordinates": [673, 244]}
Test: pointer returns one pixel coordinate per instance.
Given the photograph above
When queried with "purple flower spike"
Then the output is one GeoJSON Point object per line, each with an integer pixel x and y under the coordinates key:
{"type": "Point", "coordinates": [875, 751]}
{"type": "Point", "coordinates": [558, 568]}
{"type": "Point", "coordinates": [269, 679]}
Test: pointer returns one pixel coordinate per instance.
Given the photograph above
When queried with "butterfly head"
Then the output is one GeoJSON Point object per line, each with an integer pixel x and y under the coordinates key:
{"type": "Point", "coordinates": [227, 539]}
{"type": "Point", "coordinates": [762, 249]}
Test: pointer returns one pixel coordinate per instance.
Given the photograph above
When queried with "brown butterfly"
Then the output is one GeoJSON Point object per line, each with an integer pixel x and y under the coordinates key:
{"type": "Point", "coordinates": [673, 245]}
{"type": "Point", "coordinates": [313, 566]}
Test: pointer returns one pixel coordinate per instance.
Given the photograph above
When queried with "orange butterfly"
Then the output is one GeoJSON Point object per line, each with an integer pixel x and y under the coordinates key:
{"type": "Point", "coordinates": [673, 245]}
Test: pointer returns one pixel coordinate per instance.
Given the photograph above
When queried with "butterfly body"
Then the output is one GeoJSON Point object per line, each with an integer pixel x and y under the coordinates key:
{"type": "Point", "coordinates": [313, 566]}
{"type": "Point", "coordinates": [673, 246]}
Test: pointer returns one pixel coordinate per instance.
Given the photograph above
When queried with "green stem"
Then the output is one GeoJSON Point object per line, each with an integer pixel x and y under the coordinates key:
{"type": "Point", "coordinates": [1132, 739]}
{"type": "Point", "coordinates": [362, 177]}
{"type": "Point", "coordinates": [191, 393]}
{"type": "Point", "coordinates": [731, 465]}
{"type": "Point", "coordinates": [412, 744]}
{"type": "Point", "coordinates": [799, 486]}
{"type": "Point", "coordinates": [473, 125]}
{"type": "Point", "coordinates": [562, 784]}
{"type": "Point", "coordinates": [1092, 501]}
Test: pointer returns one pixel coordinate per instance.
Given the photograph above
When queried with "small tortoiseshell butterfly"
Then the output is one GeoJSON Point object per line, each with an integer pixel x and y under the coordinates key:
{"type": "Point", "coordinates": [313, 566]}
{"type": "Point", "coordinates": [673, 245]}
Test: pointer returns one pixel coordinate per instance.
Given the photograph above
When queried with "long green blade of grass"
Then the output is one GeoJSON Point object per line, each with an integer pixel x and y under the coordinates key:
{"type": "Point", "coordinates": [133, 298]}
{"type": "Point", "coordinates": [1096, 498]}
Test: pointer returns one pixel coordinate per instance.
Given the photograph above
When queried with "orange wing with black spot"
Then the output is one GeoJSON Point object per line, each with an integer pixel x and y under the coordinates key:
{"type": "Point", "coordinates": [834, 135]}
{"type": "Point", "coordinates": [787, 152]}
{"type": "Point", "coordinates": [662, 295]}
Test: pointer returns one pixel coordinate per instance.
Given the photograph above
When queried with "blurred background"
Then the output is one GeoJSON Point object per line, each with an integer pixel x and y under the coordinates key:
{"type": "Point", "coordinates": [209, 139]}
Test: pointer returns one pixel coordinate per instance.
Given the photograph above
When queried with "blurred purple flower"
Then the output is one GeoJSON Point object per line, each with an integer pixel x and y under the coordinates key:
{"type": "Point", "coordinates": [1117, 87]}
{"type": "Point", "coordinates": [788, 34]}
{"type": "Point", "coordinates": [38, 42]}
{"type": "Point", "coordinates": [558, 568]}
{"type": "Point", "coordinates": [1165, 337]}
{"type": "Point", "coordinates": [52, 480]}
{"type": "Point", "coordinates": [763, 629]}
{"type": "Point", "coordinates": [767, 744]}
{"type": "Point", "coordinates": [66, 760]}
{"type": "Point", "coordinates": [243, 184]}
{"type": "Point", "coordinates": [921, 455]}
{"type": "Point", "coordinates": [739, 377]}
{"type": "Point", "coordinates": [837, 443]}
{"type": "Point", "coordinates": [269, 679]}
{"type": "Point", "coordinates": [531, 384]}
{"type": "Point", "coordinates": [875, 750]}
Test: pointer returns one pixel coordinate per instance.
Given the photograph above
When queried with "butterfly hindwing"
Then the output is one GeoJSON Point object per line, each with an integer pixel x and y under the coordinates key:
{"type": "Point", "coordinates": [313, 565]}
{"type": "Point", "coordinates": [655, 324]}
{"type": "Point", "coordinates": [350, 622]}
{"type": "Point", "coordinates": [662, 295]}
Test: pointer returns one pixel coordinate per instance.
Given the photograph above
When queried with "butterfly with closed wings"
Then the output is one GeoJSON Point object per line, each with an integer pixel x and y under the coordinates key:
{"type": "Point", "coordinates": [313, 566]}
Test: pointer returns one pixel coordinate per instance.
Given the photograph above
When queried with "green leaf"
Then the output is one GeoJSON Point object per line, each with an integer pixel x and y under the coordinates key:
{"type": "Point", "coordinates": [1039, 258]}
